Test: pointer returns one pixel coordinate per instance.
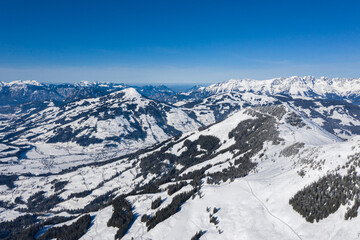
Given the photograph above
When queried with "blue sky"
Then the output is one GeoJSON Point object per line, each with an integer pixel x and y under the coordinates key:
{"type": "Point", "coordinates": [177, 42]}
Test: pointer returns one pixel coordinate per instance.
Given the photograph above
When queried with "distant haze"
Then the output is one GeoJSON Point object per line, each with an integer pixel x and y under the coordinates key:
{"type": "Point", "coordinates": [168, 76]}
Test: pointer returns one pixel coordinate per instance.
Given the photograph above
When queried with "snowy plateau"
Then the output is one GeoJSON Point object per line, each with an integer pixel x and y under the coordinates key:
{"type": "Point", "coordinates": [242, 159]}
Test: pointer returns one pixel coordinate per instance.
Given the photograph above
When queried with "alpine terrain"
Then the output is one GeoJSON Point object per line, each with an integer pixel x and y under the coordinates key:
{"type": "Point", "coordinates": [242, 159]}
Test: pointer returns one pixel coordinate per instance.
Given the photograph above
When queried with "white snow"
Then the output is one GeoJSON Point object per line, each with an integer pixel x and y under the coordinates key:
{"type": "Point", "coordinates": [253, 207]}
{"type": "Point", "coordinates": [296, 86]}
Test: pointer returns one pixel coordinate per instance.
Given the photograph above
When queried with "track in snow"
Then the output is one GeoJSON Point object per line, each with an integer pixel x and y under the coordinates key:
{"type": "Point", "coordinates": [279, 219]}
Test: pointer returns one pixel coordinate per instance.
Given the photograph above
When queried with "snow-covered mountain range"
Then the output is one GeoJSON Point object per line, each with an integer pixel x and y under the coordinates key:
{"type": "Point", "coordinates": [19, 92]}
{"type": "Point", "coordinates": [16, 92]}
{"type": "Point", "coordinates": [243, 159]}
{"type": "Point", "coordinates": [336, 88]}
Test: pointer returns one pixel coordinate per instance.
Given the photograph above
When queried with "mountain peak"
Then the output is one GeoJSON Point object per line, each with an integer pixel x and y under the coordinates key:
{"type": "Point", "coordinates": [22, 82]}
{"type": "Point", "coordinates": [130, 93]}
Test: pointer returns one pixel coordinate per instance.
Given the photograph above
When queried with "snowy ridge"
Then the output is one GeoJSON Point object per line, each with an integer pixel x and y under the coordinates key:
{"type": "Point", "coordinates": [20, 82]}
{"type": "Point", "coordinates": [295, 86]}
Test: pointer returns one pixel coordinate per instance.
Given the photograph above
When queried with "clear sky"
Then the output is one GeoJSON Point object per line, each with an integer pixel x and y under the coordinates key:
{"type": "Point", "coordinates": [177, 42]}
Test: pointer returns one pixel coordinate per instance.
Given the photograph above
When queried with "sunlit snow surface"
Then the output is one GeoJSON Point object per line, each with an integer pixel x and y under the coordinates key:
{"type": "Point", "coordinates": [256, 206]}
{"type": "Point", "coordinates": [253, 207]}
{"type": "Point", "coordinates": [295, 86]}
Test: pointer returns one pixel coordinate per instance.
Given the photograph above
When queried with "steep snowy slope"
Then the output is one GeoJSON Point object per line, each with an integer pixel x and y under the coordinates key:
{"type": "Point", "coordinates": [257, 206]}
{"type": "Point", "coordinates": [246, 167]}
{"type": "Point", "coordinates": [338, 117]}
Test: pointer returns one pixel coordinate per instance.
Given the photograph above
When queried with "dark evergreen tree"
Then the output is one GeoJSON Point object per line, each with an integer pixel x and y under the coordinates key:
{"type": "Point", "coordinates": [156, 203]}
{"type": "Point", "coordinates": [122, 216]}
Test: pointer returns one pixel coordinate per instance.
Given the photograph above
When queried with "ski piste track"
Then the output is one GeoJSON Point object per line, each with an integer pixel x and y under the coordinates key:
{"type": "Point", "coordinates": [271, 214]}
